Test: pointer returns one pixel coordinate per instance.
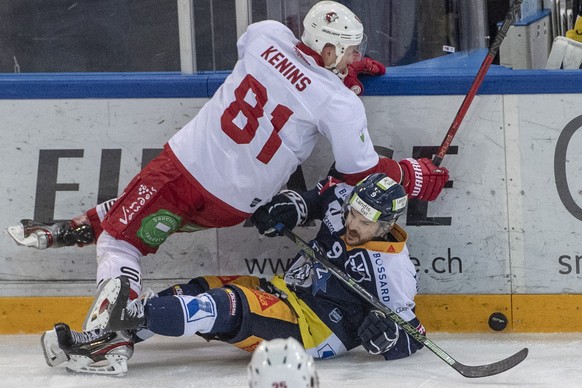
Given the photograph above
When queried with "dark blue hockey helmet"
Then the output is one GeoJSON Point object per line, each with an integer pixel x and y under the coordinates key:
{"type": "Point", "coordinates": [378, 198]}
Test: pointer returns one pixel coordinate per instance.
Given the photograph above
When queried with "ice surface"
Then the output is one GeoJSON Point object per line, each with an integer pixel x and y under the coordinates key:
{"type": "Point", "coordinates": [554, 361]}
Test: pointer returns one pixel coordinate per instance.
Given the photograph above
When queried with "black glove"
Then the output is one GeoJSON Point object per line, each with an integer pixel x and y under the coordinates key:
{"type": "Point", "coordinates": [287, 208]}
{"type": "Point", "coordinates": [378, 333]}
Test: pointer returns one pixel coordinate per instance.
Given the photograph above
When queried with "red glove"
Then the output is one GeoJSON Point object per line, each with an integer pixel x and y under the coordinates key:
{"type": "Point", "coordinates": [366, 66]}
{"type": "Point", "coordinates": [422, 179]}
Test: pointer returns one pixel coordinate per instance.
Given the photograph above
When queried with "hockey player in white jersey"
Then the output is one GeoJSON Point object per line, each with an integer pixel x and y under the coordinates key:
{"type": "Point", "coordinates": [245, 142]}
{"type": "Point", "coordinates": [358, 233]}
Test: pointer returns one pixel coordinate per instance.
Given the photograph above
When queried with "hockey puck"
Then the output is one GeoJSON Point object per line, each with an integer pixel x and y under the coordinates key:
{"type": "Point", "coordinates": [497, 321]}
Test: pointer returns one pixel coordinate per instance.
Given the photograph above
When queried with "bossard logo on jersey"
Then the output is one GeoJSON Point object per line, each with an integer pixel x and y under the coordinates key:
{"type": "Point", "coordinates": [156, 227]}
{"type": "Point", "coordinates": [357, 267]}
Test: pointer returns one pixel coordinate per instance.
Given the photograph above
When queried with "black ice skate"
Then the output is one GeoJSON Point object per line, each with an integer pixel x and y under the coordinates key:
{"type": "Point", "coordinates": [34, 234]}
{"type": "Point", "coordinates": [95, 352]}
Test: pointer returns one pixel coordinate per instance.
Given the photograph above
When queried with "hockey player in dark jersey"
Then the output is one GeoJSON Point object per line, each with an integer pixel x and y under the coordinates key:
{"type": "Point", "coordinates": [358, 234]}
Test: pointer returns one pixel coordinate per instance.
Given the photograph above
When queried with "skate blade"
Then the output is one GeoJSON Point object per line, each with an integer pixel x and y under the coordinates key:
{"type": "Point", "coordinates": [113, 365]}
{"type": "Point", "coordinates": [53, 355]}
{"type": "Point", "coordinates": [17, 234]}
{"type": "Point", "coordinates": [98, 315]}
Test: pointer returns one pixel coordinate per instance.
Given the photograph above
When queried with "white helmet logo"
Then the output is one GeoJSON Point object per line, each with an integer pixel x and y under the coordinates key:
{"type": "Point", "coordinates": [331, 17]}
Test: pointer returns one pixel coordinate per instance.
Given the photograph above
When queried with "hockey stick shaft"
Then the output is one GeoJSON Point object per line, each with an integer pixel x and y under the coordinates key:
{"type": "Point", "coordinates": [465, 370]}
{"type": "Point", "coordinates": [493, 50]}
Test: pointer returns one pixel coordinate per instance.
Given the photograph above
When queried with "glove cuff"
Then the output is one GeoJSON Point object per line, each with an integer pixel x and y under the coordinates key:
{"type": "Point", "coordinates": [412, 179]}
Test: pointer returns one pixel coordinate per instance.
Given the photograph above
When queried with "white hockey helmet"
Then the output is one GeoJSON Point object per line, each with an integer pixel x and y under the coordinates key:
{"type": "Point", "coordinates": [282, 363]}
{"type": "Point", "coordinates": [333, 23]}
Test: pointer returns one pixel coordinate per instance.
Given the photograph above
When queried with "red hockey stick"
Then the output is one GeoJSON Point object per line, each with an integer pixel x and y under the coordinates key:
{"type": "Point", "coordinates": [493, 49]}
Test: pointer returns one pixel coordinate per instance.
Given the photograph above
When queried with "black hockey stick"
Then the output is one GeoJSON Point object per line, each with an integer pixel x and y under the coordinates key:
{"type": "Point", "coordinates": [465, 370]}
{"type": "Point", "coordinates": [493, 49]}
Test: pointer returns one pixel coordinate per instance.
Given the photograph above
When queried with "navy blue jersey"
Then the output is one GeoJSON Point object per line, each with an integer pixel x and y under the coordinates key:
{"type": "Point", "coordinates": [383, 268]}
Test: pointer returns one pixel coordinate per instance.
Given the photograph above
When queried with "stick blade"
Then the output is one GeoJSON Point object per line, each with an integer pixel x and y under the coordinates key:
{"type": "Point", "coordinates": [491, 369]}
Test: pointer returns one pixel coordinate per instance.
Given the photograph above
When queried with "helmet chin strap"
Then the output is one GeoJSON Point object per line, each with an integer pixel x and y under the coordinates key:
{"type": "Point", "coordinates": [335, 71]}
{"type": "Point", "coordinates": [333, 66]}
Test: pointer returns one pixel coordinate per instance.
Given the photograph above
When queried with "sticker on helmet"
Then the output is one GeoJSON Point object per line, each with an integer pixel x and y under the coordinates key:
{"type": "Point", "coordinates": [399, 203]}
{"type": "Point", "coordinates": [386, 183]}
{"type": "Point", "coordinates": [331, 17]}
{"type": "Point", "coordinates": [364, 209]}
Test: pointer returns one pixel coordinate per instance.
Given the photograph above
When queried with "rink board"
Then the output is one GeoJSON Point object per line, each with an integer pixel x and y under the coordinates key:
{"type": "Point", "coordinates": [540, 313]}
{"type": "Point", "coordinates": [508, 225]}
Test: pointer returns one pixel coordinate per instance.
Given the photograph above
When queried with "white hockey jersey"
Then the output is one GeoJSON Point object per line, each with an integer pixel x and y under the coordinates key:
{"type": "Point", "coordinates": [265, 119]}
